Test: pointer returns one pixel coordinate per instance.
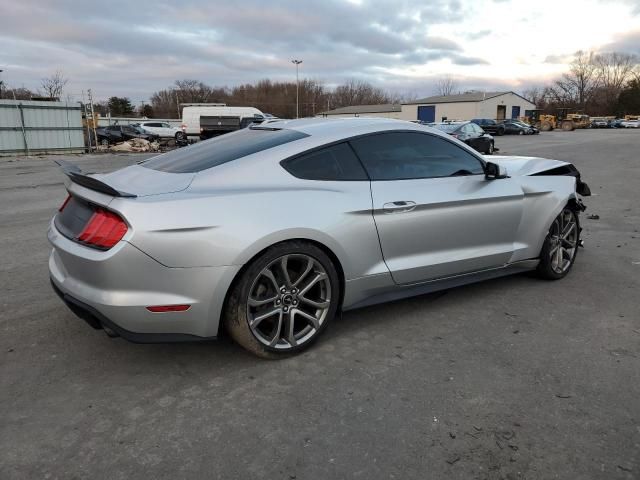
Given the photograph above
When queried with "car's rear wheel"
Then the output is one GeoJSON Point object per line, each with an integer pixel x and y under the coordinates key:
{"type": "Point", "coordinates": [490, 149]}
{"type": "Point", "coordinates": [561, 246]}
{"type": "Point", "coordinates": [284, 300]}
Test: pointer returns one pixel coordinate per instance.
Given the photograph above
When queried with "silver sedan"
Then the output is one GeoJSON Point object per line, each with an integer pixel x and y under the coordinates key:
{"type": "Point", "coordinates": [269, 231]}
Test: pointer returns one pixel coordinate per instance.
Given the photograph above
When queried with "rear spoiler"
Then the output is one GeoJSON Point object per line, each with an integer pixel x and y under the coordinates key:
{"type": "Point", "coordinates": [75, 174]}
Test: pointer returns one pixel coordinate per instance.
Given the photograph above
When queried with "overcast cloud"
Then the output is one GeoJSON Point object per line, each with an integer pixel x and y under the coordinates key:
{"type": "Point", "coordinates": [134, 48]}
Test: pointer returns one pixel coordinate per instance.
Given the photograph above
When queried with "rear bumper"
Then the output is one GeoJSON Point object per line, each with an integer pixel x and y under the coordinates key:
{"type": "Point", "coordinates": [113, 288]}
{"type": "Point", "coordinates": [98, 321]}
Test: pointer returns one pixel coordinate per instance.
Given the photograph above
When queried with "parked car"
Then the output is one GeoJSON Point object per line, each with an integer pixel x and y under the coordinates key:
{"type": "Point", "coordinates": [514, 126]}
{"type": "Point", "coordinates": [617, 123]}
{"type": "Point", "coordinates": [630, 123]}
{"type": "Point", "coordinates": [270, 231]}
{"type": "Point", "coordinates": [162, 129]}
{"type": "Point", "coordinates": [120, 133]}
{"type": "Point", "coordinates": [469, 133]}
{"type": "Point", "coordinates": [600, 123]}
{"type": "Point", "coordinates": [490, 126]}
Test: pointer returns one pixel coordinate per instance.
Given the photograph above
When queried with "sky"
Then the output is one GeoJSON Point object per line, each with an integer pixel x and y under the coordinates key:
{"type": "Point", "coordinates": [133, 48]}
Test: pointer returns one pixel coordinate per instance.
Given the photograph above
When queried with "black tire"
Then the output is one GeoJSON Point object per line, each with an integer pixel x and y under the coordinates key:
{"type": "Point", "coordinates": [500, 132]}
{"type": "Point", "coordinates": [545, 268]}
{"type": "Point", "coordinates": [490, 149]}
{"type": "Point", "coordinates": [521, 132]}
{"type": "Point", "coordinates": [104, 141]}
{"type": "Point", "coordinates": [236, 312]}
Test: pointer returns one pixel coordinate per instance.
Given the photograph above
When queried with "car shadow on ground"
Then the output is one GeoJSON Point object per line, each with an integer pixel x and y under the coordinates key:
{"type": "Point", "coordinates": [224, 354]}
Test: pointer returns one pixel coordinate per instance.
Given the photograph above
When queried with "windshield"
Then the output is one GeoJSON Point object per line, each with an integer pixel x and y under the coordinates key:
{"type": "Point", "coordinates": [221, 149]}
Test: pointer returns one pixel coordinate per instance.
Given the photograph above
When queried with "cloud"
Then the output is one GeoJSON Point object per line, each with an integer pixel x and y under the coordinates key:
{"type": "Point", "coordinates": [628, 42]}
{"type": "Point", "coordinates": [464, 60]}
{"type": "Point", "coordinates": [130, 48]}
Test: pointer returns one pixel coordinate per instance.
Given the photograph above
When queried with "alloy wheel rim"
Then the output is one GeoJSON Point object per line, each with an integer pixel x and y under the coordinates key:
{"type": "Point", "coordinates": [289, 301]}
{"type": "Point", "coordinates": [564, 241]}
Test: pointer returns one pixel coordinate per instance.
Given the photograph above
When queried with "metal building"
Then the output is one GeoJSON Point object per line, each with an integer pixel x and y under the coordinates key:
{"type": "Point", "coordinates": [465, 106]}
{"type": "Point", "coordinates": [32, 127]}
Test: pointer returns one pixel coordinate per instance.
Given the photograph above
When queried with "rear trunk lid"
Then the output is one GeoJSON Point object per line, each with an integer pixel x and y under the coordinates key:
{"type": "Point", "coordinates": [142, 182]}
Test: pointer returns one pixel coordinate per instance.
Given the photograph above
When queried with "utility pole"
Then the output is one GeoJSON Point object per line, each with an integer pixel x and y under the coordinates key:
{"type": "Point", "coordinates": [1, 86]}
{"type": "Point", "coordinates": [93, 116]}
{"type": "Point", "coordinates": [297, 64]}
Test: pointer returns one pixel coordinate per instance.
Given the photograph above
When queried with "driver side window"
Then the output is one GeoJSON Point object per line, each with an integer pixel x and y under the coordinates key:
{"type": "Point", "coordinates": [412, 155]}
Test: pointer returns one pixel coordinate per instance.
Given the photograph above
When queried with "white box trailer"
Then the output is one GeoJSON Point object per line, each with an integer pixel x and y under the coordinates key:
{"type": "Point", "coordinates": [206, 121]}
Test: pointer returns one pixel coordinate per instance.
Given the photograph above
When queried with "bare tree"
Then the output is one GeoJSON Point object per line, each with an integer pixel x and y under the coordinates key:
{"type": "Point", "coordinates": [53, 86]}
{"type": "Point", "coordinates": [356, 92]}
{"type": "Point", "coordinates": [445, 86]}
{"type": "Point", "coordinates": [614, 70]}
{"type": "Point", "coordinates": [577, 86]}
{"type": "Point", "coordinates": [534, 94]}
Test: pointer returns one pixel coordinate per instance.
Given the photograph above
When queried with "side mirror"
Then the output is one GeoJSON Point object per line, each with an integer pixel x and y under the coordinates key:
{"type": "Point", "coordinates": [493, 171]}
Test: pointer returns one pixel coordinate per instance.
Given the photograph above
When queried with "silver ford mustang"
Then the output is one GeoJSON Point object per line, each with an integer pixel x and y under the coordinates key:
{"type": "Point", "coordinates": [269, 231]}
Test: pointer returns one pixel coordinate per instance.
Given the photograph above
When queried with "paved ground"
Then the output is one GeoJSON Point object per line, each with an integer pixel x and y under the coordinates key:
{"type": "Point", "coordinates": [513, 378]}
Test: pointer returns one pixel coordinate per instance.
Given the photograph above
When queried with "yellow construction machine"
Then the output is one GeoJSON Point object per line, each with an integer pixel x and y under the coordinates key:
{"type": "Point", "coordinates": [563, 120]}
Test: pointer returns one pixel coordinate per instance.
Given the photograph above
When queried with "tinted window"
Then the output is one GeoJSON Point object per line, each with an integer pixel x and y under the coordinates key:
{"type": "Point", "coordinates": [222, 149]}
{"type": "Point", "coordinates": [337, 162]}
{"type": "Point", "coordinates": [404, 155]}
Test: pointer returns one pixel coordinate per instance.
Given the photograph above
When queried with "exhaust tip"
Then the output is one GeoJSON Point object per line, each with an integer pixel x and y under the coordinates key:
{"type": "Point", "coordinates": [110, 332]}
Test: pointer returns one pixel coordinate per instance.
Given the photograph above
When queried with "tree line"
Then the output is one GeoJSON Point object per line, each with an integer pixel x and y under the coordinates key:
{"type": "Point", "coordinates": [276, 98]}
{"type": "Point", "coordinates": [596, 84]}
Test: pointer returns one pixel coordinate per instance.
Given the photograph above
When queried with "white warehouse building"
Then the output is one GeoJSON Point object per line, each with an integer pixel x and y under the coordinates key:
{"type": "Point", "coordinates": [465, 106]}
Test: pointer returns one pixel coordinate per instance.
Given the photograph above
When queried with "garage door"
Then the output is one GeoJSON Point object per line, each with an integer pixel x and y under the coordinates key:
{"type": "Point", "coordinates": [427, 113]}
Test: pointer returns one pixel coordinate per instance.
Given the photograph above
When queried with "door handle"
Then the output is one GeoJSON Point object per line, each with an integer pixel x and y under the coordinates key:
{"type": "Point", "coordinates": [399, 206]}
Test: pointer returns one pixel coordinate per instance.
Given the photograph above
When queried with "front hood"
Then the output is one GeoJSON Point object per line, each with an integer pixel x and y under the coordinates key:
{"type": "Point", "coordinates": [523, 166]}
{"type": "Point", "coordinates": [142, 181]}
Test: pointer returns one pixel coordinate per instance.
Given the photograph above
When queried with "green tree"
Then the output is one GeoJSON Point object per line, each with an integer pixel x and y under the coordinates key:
{"type": "Point", "coordinates": [146, 111]}
{"type": "Point", "coordinates": [629, 99]}
{"type": "Point", "coordinates": [120, 107]}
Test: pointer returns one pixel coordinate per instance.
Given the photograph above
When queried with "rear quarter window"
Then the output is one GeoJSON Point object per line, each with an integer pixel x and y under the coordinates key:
{"type": "Point", "coordinates": [337, 162]}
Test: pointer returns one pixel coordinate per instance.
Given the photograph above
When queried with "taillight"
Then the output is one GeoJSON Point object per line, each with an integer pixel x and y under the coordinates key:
{"type": "Point", "coordinates": [103, 230]}
{"type": "Point", "coordinates": [64, 204]}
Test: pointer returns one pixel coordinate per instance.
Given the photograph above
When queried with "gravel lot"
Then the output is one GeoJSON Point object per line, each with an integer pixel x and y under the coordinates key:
{"type": "Point", "coordinates": [511, 378]}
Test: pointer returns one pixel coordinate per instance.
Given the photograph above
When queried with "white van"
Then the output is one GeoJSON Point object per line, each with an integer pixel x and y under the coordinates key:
{"type": "Point", "coordinates": [209, 120]}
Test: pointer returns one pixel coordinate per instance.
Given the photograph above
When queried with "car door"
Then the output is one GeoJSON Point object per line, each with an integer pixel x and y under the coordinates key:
{"type": "Point", "coordinates": [436, 213]}
{"type": "Point", "coordinates": [167, 131]}
{"type": "Point", "coordinates": [114, 133]}
{"type": "Point", "coordinates": [472, 137]}
{"type": "Point", "coordinates": [480, 138]}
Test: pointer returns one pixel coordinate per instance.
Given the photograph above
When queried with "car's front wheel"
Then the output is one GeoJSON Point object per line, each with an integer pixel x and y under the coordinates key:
{"type": "Point", "coordinates": [560, 247]}
{"type": "Point", "coordinates": [284, 300]}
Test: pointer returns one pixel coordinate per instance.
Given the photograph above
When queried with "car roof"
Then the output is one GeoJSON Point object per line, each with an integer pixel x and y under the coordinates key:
{"type": "Point", "coordinates": [330, 129]}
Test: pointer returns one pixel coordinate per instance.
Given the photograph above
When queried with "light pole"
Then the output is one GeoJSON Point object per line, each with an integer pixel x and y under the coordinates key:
{"type": "Point", "coordinates": [1, 86]}
{"type": "Point", "coordinates": [297, 63]}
